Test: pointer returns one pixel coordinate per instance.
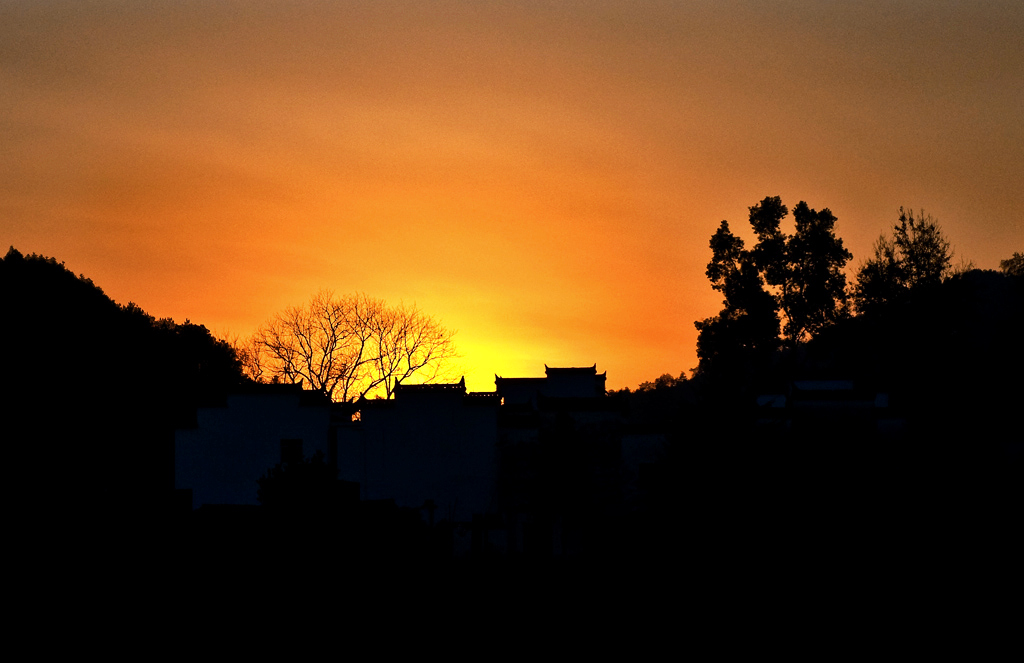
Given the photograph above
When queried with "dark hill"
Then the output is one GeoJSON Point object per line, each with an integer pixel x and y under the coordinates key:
{"type": "Point", "coordinates": [94, 392]}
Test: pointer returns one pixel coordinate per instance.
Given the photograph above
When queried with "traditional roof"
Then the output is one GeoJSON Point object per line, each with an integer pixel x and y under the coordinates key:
{"type": "Point", "coordinates": [583, 370]}
{"type": "Point", "coordinates": [567, 382]}
{"type": "Point", "coordinates": [551, 371]}
{"type": "Point", "coordinates": [459, 386]}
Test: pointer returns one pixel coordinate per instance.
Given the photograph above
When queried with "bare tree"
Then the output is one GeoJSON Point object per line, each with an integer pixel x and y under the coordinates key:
{"type": "Point", "coordinates": [409, 342]}
{"type": "Point", "coordinates": [350, 347]}
{"type": "Point", "coordinates": [250, 355]}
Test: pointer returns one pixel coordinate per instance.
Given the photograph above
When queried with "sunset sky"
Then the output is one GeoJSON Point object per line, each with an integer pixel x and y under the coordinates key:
{"type": "Point", "coordinates": [543, 177]}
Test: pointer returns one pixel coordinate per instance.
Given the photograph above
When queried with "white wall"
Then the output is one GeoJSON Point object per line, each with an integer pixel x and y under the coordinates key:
{"type": "Point", "coordinates": [233, 446]}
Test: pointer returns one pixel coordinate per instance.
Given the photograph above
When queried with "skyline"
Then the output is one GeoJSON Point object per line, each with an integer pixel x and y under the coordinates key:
{"type": "Point", "coordinates": [543, 179]}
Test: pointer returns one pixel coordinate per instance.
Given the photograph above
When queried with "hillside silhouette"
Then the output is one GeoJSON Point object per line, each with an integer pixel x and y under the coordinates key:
{"type": "Point", "coordinates": [95, 391]}
{"type": "Point", "coordinates": [893, 427]}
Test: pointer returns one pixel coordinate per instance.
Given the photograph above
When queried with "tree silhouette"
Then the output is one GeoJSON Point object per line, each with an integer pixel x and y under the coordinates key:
{"type": "Point", "coordinates": [664, 381]}
{"type": "Point", "coordinates": [803, 271]}
{"type": "Point", "coordinates": [917, 256]}
{"type": "Point", "coordinates": [749, 322]}
{"type": "Point", "coordinates": [349, 347]}
{"type": "Point", "coordinates": [810, 275]}
{"type": "Point", "coordinates": [1014, 266]}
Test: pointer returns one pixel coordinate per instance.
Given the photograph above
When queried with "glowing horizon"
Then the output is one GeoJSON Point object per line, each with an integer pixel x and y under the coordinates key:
{"type": "Point", "coordinates": [543, 179]}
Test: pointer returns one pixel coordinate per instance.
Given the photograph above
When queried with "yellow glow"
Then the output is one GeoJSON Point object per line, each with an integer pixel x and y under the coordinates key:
{"type": "Point", "coordinates": [543, 178]}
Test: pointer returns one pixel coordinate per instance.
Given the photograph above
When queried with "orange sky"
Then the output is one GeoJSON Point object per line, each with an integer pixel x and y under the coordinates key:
{"type": "Point", "coordinates": [541, 176]}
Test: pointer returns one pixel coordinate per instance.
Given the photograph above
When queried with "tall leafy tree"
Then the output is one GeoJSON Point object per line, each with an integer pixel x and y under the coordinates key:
{"type": "Point", "coordinates": [747, 328]}
{"type": "Point", "coordinates": [799, 275]}
{"type": "Point", "coordinates": [813, 287]}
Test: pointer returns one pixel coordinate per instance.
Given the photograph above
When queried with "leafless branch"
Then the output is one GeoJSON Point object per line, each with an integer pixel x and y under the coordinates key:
{"type": "Point", "coordinates": [350, 347]}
